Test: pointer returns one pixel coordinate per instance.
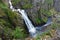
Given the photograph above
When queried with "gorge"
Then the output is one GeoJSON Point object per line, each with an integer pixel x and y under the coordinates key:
{"type": "Point", "coordinates": [29, 19]}
{"type": "Point", "coordinates": [30, 26]}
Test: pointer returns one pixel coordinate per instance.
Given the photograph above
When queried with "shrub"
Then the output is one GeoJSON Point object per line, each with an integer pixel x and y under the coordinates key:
{"type": "Point", "coordinates": [14, 2]}
{"type": "Point", "coordinates": [45, 12]}
{"type": "Point", "coordinates": [19, 33]}
{"type": "Point", "coordinates": [49, 2]}
{"type": "Point", "coordinates": [38, 20]}
{"type": "Point", "coordinates": [28, 5]}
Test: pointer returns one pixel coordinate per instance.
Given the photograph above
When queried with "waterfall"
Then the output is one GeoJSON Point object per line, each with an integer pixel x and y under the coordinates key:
{"type": "Point", "coordinates": [30, 26]}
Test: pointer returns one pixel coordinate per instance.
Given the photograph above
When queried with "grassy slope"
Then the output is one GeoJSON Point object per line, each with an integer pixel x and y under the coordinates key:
{"type": "Point", "coordinates": [8, 22]}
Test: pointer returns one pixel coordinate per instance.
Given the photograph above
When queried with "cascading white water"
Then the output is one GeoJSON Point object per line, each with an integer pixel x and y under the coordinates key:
{"type": "Point", "coordinates": [31, 28]}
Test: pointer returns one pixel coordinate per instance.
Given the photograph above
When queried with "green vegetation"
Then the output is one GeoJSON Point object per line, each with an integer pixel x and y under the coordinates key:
{"type": "Point", "coordinates": [44, 19]}
{"type": "Point", "coordinates": [11, 17]}
{"type": "Point", "coordinates": [41, 20]}
{"type": "Point", "coordinates": [53, 11]}
{"type": "Point", "coordinates": [44, 34]}
{"type": "Point", "coordinates": [38, 37]}
{"type": "Point", "coordinates": [3, 5]}
{"type": "Point", "coordinates": [49, 2]}
{"type": "Point", "coordinates": [14, 2]}
{"type": "Point", "coordinates": [27, 6]}
{"type": "Point", "coordinates": [54, 25]}
{"type": "Point", "coordinates": [26, 1]}
{"type": "Point", "coordinates": [7, 32]}
{"type": "Point", "coordinates": [2, 13]}
{"type": "Point", "coordinates": [45, 12]}
{"type": "Point", "coordinates": [8, 23]}
{"type": "Point", "coordinates": [4, 23]}
{"type": "Point", "coordinates": [19, 33]}
{"type": "Point", "coordinates": [38, 21]}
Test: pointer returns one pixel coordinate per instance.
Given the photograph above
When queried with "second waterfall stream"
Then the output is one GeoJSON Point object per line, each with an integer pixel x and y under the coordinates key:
{"type": "Point", "coordinates": [30, 26]}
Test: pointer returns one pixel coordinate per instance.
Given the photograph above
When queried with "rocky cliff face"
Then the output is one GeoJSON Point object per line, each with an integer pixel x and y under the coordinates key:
{"type": "Point", "coordinates": [36, 9]}
{"type": "Point", "coordinates": [12, 23]}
